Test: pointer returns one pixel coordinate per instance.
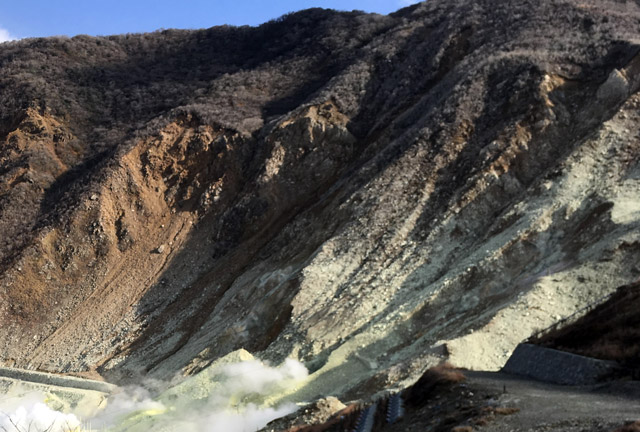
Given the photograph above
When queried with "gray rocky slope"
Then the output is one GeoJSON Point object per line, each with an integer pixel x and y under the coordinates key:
{"type": "Point", "coordinates": [367, 194]}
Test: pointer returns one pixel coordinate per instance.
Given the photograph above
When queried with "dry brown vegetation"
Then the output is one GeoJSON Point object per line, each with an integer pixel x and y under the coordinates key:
{"type": "Point", "coordinates": [462, 429]}
{"type": "Point", "coordinates": [489, 414]}
{"type": "Point", "coordinates": [431, 382]}
{"type": "Point", "coordinates": [631, 427]}
{"type": "Point", "coordinates": [86, 97]}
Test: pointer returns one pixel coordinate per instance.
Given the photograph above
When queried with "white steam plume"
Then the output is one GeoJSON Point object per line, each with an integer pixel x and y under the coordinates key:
{"type": "Point", "coordinates": [229, 398]}
{"type": "Point", "coordinates": [233, 397]}
{"type": "Point", "coordinates": [29, 412]}
{"type": "Point", "coordinates": [5, 36]}
{"type": "Point", "coordinates": [125, 403]}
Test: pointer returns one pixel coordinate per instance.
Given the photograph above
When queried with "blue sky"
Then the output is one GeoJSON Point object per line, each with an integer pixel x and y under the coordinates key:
{"type": "Point", "coordinates": [34, 18]}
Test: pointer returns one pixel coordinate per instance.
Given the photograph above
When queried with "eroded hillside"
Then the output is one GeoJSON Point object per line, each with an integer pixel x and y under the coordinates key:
{"type": "Point", "coordinates": [367, 194]}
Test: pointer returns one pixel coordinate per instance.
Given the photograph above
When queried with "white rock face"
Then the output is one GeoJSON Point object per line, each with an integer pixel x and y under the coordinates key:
{"type": "Point", "coordinates": [615, 88]}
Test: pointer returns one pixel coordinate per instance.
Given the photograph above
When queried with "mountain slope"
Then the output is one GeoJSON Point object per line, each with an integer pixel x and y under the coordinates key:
{"type": "Point", "coordinates": [368, 194]}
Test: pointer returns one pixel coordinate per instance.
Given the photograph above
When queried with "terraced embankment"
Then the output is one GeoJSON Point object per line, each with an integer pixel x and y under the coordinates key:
{"type": "Point", "coordinates": [64, 394]}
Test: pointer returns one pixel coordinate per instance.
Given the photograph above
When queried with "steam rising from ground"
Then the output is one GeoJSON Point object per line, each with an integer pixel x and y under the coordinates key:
{"type": "Point", "coordinates": [238, 404]}
{"type": "Point", "coordinates": [233, 397]}
{"type": "Point", "coordinates": [128, 401]}
{"type": "Point", "coordinates": [20, 412]}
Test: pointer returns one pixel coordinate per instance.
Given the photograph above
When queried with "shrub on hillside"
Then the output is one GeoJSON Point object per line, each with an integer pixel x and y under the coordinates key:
{"type": "Point", "coordinates": [630, 427]}
{"type": "Point", "coordinates": [431, 382]}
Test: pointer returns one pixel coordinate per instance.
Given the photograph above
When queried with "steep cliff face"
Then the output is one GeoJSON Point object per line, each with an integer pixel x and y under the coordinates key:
{"type": "Point", "coordinates": [368, 194]}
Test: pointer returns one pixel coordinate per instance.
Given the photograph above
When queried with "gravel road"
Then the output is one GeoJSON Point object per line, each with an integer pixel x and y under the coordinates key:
{"type": "Point", "coordinates": [545, 407]}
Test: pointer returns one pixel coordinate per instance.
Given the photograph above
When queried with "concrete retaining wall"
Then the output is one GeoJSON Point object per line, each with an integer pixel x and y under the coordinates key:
{"type": "Point", "coordinates": [549, 365]}
{"type": "Point", "coordinates": [56, 380]}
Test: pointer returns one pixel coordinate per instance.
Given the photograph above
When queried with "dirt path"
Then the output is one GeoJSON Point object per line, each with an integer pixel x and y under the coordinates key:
{"type": "Point", "coordinates": [559, 408]}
